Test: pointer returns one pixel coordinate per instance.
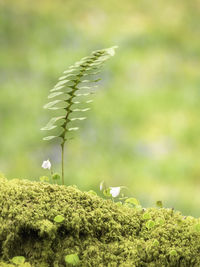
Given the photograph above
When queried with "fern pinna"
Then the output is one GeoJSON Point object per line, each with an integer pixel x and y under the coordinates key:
{"type": "Point", "coordinates": [70, 94]}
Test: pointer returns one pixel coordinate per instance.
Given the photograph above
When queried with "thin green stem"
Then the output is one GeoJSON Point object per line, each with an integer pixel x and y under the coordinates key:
{"type": "Point", "coordinates": [51, 176]}
{"type": "Point", "coordinates": [70, 103]}
{"type": "Point", "coordinates": [63, 153]}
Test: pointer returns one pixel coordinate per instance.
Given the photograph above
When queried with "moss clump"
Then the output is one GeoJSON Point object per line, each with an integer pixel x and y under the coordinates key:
{"type": "Point", "coordinates": [99, 231]}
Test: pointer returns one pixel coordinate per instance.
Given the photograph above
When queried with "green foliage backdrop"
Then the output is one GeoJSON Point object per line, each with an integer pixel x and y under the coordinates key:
{"type": "Point", "coordinates": [147, 135]}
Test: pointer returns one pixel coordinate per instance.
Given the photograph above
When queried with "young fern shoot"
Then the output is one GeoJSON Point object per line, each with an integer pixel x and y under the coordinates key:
{"type": "Point", "coordinates": [70, 96]}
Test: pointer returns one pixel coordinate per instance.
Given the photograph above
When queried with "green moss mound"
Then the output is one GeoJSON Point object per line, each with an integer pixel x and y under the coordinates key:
{"type": "Point", "coordinates": [99, 231]}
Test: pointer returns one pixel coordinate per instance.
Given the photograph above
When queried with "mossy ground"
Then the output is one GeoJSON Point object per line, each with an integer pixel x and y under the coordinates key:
{"type": "Point", "coordinates": [101, 232]}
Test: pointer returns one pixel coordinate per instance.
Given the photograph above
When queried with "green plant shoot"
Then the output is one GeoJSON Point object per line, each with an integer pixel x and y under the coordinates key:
{"type": "Point", "coordinates": [70, 96]}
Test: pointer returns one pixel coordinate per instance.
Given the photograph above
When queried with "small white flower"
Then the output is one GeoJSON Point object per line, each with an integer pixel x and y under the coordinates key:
{"type": "Point", "coordinates": [46, 164]}
{"type": "Point", "coordinates": [115, 191]}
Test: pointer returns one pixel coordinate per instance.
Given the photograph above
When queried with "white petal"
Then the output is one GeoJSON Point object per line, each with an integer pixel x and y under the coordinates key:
{"type": "Point", "coordinates": [115, 191]}
{"type": "Point", "coordinates": [46, 164]}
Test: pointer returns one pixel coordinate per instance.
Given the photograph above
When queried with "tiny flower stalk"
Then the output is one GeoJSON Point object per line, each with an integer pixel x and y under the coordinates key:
{"type": "Point", "coordinates": [54, 176]}
{"type": "Point", "coordinates": [47, 165]}
{"type": "Point", "coordinates": [71, 94]}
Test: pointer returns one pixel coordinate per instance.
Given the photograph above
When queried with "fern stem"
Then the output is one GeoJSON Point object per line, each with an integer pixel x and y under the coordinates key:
{"type": "Point", "coordinates": [62, 155]}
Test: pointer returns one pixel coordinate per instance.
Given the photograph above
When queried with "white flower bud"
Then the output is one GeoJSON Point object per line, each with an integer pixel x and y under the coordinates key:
{"type": "Point", "coordinates": [115, 191]}
{"type": "Point", "coordinates": [46, 164]}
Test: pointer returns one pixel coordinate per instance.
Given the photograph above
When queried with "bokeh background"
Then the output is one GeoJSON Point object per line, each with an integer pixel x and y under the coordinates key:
{"type": "Point", "coordinates": [143, 131]}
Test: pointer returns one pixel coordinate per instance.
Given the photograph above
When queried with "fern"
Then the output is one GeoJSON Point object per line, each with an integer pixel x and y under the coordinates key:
{"type": "Point", "coordinates": [70, 96]}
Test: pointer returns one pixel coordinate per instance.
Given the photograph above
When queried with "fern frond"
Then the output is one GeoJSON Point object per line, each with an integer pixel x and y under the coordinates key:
{"type": "Point", "coordinates": [70, 95]}
{"type": "Point", "coordinates": [76, 82]}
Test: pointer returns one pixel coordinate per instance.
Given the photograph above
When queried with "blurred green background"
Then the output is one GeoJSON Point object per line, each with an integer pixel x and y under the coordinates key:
{"type": "Point", "coordinates": [144, 127]}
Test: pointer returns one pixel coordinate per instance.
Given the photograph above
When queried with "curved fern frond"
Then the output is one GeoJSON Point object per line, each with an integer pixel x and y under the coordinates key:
{"type": "Point", "coordinates": [70, 93]}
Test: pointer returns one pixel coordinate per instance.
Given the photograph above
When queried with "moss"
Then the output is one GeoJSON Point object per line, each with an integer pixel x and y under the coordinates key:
{"type": "Point", "coordinates": [101, 232]}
